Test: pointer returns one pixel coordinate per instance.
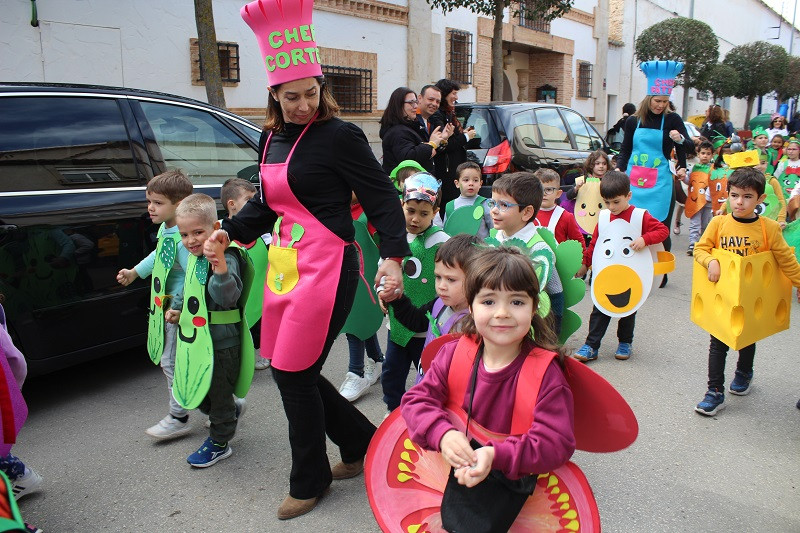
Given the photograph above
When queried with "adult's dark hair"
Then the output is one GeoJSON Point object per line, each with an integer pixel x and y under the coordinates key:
{"type": "Point", "coordinates": [614, 184]}
{"type": "Point", "coordinates": [328, 108]}
{"type": "Point", "coordinates": [715, 114]}
{"type": "Point", "coordinates": [629, 108]}
{"type": "Point", "coordinates": [446, 87]}
{"type": "Point", "coordinates": [426, 87]}
{"type": "Point", "coordinates": [394, 112]}
{"type": "Point", "coordinates": [747, 178]}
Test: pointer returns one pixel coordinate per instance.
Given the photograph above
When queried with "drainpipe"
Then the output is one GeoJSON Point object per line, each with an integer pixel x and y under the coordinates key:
{"type": "Point", "coordinates": [34, 15]}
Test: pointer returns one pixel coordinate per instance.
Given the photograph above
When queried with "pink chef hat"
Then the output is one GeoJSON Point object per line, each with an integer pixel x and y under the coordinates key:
{"type": "Point", "coordinates": [285, 36]}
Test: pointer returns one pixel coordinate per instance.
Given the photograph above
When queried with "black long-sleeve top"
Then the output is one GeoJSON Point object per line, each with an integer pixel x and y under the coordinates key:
{"type": "Point", "coordinates": [405, 141]}
{"type": "Point", "coordinates": [332, 159]}
{"type": "Point", "coordinates": [412, 317]}
{"type": "Point", "coordinates": [672, 121]}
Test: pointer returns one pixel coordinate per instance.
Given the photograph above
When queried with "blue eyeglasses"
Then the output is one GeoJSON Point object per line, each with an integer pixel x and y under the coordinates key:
{"type": "Point", "coordinates": [501, 205]}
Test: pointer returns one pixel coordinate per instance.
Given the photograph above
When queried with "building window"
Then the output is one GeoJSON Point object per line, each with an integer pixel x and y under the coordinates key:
{"type": "Point", "coordinates": [703, 95]}
{"type": "Point", "coordinates": [459, 64]}
{"type": "Point", "coordinates": [584, 80]}
{"type": "Point", "coordinates": [536, 24]}
{"type": "Point", "coordinates": [228, 63]}
{"type": "Point", "coordinates": [351, 87]}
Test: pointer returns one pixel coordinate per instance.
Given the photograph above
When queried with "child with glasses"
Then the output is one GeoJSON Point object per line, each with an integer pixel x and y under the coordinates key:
{"type": "Point", "coordinates": [552, 216]}
{"type": "Point", "coordinates": [516, 199]}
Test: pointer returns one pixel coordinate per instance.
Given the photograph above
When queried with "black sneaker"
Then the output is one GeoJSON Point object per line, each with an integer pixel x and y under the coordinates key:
{"type": "Point", "coordinates": [740, 385]}
{"type": "Point", "coordinates": [690, 250]}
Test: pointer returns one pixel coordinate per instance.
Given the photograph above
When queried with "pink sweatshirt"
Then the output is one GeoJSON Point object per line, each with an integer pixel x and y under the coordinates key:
{"type": "Point", "coordinates": [548, 444]}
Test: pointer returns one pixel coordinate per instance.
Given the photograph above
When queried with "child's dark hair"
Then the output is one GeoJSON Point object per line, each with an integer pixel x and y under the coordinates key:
{"type": "Point", "coordinates": [505, 268]}
{"type": "Point", "coordinates": [235, 188]}
{"type": "Point", "coordinates": [614, 184]}
{"type": "Point", "coordinates": [588, 166]}
{"type": "Point", "coordinates": [404, 173]}
{"type": "Point", "coordinates": [465, 165]}
{"type": "Point", "coordinates": [458, 251]}
{"type": "Point", "coordinates": [705, 145]}
{"type": "Point", "coordinates": [523, 187]}
{"type": "Point", "coordinates": [547, 175]}
{"type": "Point", "coordinates": [173, 184]}
{"type": "Point", "coordinates": [748, 178]}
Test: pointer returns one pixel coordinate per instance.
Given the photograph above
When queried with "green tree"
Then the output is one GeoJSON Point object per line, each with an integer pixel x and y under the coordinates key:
{"type": "Point", "coordinates": [723, 81]}
{"type": "Point", "coordinates": [689, 41]}
{"type": "Point", "coordinates": [761, 67]}
{"type": "Point", "coordinates": [789, 87]}
{"type": "Point", "coordinates": [545, 10]}
{"type": "Point", "coordinates": [209, 52]}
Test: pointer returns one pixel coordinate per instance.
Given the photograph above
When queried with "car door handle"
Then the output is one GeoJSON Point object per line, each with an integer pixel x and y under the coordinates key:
{"type": "Point", "coordinates": [555, 162]}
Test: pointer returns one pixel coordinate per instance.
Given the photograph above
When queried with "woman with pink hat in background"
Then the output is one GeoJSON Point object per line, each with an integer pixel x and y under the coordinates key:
{"type": "Point", "coordinates": [311, 162]}
{"type": "Point", "coordinates": [777, 126]}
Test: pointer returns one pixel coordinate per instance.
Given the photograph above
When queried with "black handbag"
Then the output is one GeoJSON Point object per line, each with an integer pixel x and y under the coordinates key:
{"type": "Point", "coordinates": [492, 505]}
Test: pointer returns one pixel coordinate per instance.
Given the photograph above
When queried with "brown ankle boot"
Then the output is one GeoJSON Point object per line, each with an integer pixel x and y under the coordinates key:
{"type": "Point", "coordinates": [292, 507]}
{"type": "Point", "coordinates": [347, 470]}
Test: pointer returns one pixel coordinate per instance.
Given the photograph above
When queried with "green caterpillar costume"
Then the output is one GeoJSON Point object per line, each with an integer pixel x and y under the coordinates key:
{"type": "Point", "coordinates": [194, 356]}
{"type": "Point", "coordinates": [166, 252]}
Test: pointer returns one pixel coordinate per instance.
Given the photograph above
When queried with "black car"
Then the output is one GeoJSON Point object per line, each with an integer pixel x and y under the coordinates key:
{"type": "Point", "coordinates": [74, 163]}
{"type": "Point", "coordinates": [518, 136]}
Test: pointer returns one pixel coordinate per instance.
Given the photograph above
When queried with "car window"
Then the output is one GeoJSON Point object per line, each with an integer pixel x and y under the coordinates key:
{"type": "Point", "coordinates": [579, 130]}
{"type": "Point", "coordinates": [63, 143]}
{"type": "Point", "coordinates": [552, 130]}
{"type": "Point", "coordinates": [596, 140]}
{"type": "Point", "coordinates": [525, 129]}
{"type": "Point", "coordinates": [478, 118]}
{"type": "Point", "coordinates": [207, 150]}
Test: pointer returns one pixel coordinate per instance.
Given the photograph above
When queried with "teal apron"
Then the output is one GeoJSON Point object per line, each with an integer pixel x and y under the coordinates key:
{"type": "Point", "coordinates": [651, 179]}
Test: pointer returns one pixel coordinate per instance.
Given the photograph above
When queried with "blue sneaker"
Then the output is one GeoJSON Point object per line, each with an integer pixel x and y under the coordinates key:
{"type": "Point", "coordinates": [210, 453]}
{"type": "Point", "coordinates": [714, 401]}
{"type": "Point", "coordinates": [586, 353]}
{"type": "Point", "coordinates": [624, 351]}
{"type": "Point", "coordinates": [740, 385]}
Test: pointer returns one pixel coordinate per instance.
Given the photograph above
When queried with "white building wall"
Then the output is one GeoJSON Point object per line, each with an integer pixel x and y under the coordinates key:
{"type": "Point", "coordinates": [585, 51]}
{"type": "Point", "coordinates": [145, 44]}
{"type": "Point", "coordinates": [460, 19]}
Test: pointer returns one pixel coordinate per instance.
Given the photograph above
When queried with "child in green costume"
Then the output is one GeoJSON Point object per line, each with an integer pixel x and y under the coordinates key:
{"type": "Point", "coordinates": [167, 264]}
{"type": "Point", "coordinates": [234, 193]}
{"type": "Point", "coordinates": [468, 213]}
{"type": "Point", "coordinates": [212, 358]}
{"type": "Point", "coordinates": [420, 205]}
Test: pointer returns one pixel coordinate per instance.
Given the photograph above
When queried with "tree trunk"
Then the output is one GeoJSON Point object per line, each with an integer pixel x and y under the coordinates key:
{"type": "Point", "coordinates": [209, 52]}
{"type": "Point", "coordinates": [497, 51]}
{"type": "Point", "coordinates": [747, 112]}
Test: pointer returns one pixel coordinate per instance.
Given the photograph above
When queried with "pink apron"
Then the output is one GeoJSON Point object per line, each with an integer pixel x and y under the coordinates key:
{"type": "Point", "coordinates": [305, 259]}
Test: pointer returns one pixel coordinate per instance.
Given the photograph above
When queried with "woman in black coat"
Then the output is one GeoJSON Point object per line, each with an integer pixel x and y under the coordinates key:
{"type": "Point", "coordinates": [401, 134]}
{"type": "Point", "coordinates": [454, 152]}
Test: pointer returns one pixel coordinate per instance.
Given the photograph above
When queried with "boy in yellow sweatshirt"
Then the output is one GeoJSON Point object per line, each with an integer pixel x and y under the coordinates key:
{"type": "Point", "coordinates": [745, 233]}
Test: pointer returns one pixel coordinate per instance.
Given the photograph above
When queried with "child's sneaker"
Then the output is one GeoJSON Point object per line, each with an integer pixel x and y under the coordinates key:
{"type": "Point", "coordinates": [624, 351]}
{"type": "Point", "coordinates": [714, 401]}
{"type": "Point", "coordinates": [690, 250]}
{"type": "Point", "coordinates": [168, 427]}
{"type": "Point", "coordinates": [241, 407]}
{"type": "Point", "coordinates": [372, 370]}
{"type": "Point", "coordinates": [740, 385]}
{"type": "Point", "coordinates": [32, 529]}
{"type": "Point", "coordinates": [354, 386]}
{"type": "Point", "coordinates": [210, 453]}
{"type": "Point", "coordinates": [586, 353]}
{"type": "Point", "coordinates": [262, 363]}
{"type": "Point", "coordinates": [27, 483]}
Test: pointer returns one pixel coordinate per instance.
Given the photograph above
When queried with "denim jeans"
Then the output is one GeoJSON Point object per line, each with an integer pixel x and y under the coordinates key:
{"type": "Point", "coordinates": [396, 365]}
{"type": "Point", "coordinates": [357, 347]}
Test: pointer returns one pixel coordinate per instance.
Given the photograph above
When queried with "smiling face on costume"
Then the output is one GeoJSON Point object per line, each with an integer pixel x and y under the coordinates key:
{"type": "Point", "coordinates": [298, 99]}
{"type": "Point", "coordinates": [658, 104]}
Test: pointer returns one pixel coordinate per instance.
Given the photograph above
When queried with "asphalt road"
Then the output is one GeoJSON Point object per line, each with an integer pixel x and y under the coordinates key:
{"type": "Point", "coordinates": [739, 471]}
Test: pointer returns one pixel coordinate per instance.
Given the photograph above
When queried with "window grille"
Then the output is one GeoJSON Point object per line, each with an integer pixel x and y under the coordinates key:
{"type": "Point", "coordinates": [460, 60]}
{"type": "Point", "coordinates": [228, 62]}
{"type": "Point", "coordinates": [533, 23]}
{"type": "Point", "coordinates": [703, 95]}
{"type": "Point", "coordinates": [351, 87]}
{"type": "Point", "coordinates": [585, 80]}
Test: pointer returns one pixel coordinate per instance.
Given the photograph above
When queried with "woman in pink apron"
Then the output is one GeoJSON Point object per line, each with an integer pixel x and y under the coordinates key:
{"type": "Point", "coordinates": [650, 135]}
{"type": "Point", "coordinates": [311, 162]}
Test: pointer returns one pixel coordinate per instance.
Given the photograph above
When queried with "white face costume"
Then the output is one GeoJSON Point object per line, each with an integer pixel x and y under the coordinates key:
{"type": "Point", "coordinates": [623, 278]}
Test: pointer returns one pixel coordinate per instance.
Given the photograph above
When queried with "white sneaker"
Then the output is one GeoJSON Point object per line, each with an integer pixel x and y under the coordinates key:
{"type": "Point", "coordinates": [27, 483]}
{"type": "Point", "coordinates": [261, 363]}
{"type": "Point", "coordinates": [372, 370]}
{"type": "Point", "coordinates": [353, 387]}
{"type": "Point", "coordinates": [168, 427]}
